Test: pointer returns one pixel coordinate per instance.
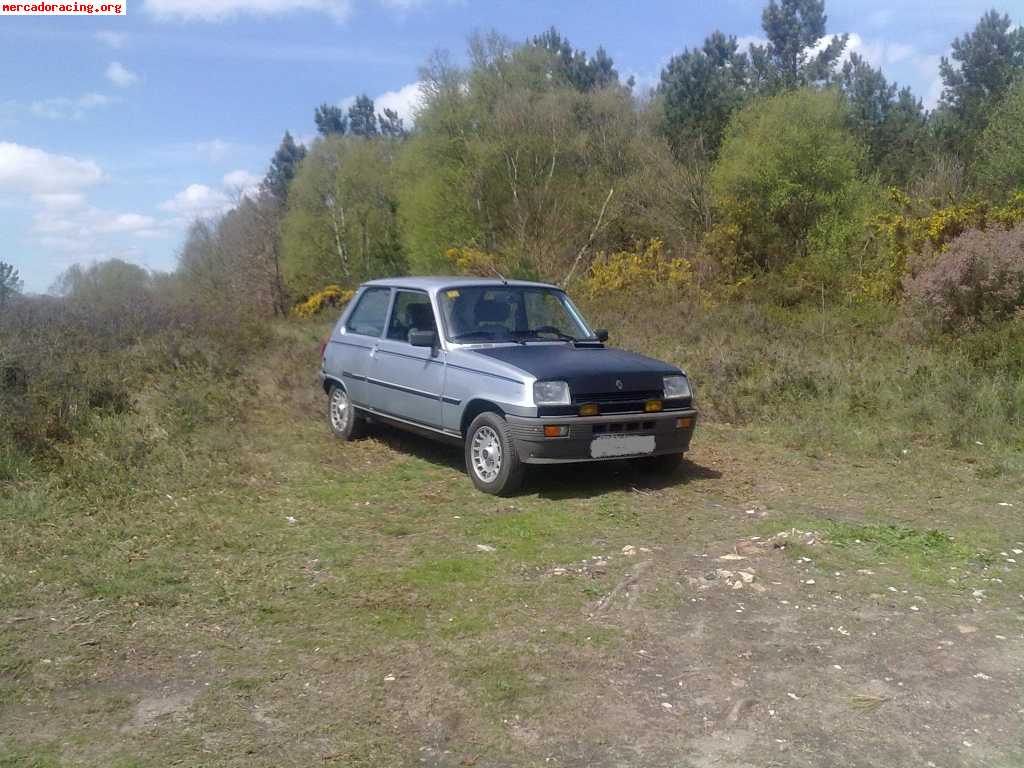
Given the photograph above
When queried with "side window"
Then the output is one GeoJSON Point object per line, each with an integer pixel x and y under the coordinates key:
{"type": "Point", "coordinates": [370, 313]}
{"type": "Point", "coordinates": [412, 311]}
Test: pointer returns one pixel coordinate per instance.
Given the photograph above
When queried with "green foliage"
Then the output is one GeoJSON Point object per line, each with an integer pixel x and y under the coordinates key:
{"type": "Point", "coordinates": [362, 117]}
{"type": "Point", "coordinates": [632, 275]}
{"type": "Point", "coordinates": [341, 225]}
{"type": "Point", "coordinates": [984, 64]}
{"type": "Point", "coordinates": [701, 89]}
{"type": "Point", "coordinates": [888, 119]}
{"type": "Point", "coordinates": [792, 58]}
{"type": "Point", "coordinates": [860, 378]}
{"type": "Point", "coordinates": [283, 167]}
{"type": "Point", "coordinates": [1000, 166]}
{"type": "Point", "coordinates": [330, 119]}
{"type": "Point", "coordinates": [910, 238]}
{"type": "Point", "coordinates": [510, 160]}
{"type": "Point", "coordinates": [789, 185]}
{"type": "Point", "coordinates": [574, 67]}
{"type": "Point", "coordinates": [10, 283]}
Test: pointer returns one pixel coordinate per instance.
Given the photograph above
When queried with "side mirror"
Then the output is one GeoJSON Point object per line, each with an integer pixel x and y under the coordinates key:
{"type": "Point", "coordinates": [602, 335]}
{"type": "Point", "coordinates": [423, 338]}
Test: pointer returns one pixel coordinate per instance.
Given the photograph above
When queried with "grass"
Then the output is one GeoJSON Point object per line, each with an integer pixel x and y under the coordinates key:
{"type": "Point", "coordinates": [168, 579]}
{"type": "Point", "coordinates": [862, 380]}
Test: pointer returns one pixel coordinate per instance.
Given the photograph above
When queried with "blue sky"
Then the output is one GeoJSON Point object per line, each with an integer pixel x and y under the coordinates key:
{"type": "Point", "coordinates": [116, 131]}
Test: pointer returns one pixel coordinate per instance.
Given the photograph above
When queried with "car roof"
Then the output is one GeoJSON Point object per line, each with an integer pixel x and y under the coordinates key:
{"type": "Point", "coordinates": [436, 282]}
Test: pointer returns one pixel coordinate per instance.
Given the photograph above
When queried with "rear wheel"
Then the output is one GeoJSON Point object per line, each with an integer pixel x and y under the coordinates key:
{"type": "Point", "coordinates": [491, 458]}
{"type": "Point", "coordinates": [345, 423]}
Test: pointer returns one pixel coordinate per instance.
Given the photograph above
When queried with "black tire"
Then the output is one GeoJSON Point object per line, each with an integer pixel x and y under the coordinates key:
{"type": "Point", "coordinates": [489, 430]}
{"type": "Point", "coordinates": [664, 465]}
{"type": "Point", "coordinates": [349, 427]}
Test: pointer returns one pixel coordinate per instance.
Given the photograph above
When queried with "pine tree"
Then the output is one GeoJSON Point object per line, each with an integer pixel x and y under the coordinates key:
{"type": "Point", "coordinates": [362, 117]}
{"type": "Point", "coordinates": [701, 89]}
{"type": "Point", "coordinates": [330, 120]}
{"type": "Point", "coordinates": [10, 283]}
{"type": "Point", "coordinates": [283, 167]}
{"type": "Point", "coordinates": [789, 59]}
{"type": "Point", "coordinates": [391, 124]}
{"type": "Point", "coordinates": [987, 61]}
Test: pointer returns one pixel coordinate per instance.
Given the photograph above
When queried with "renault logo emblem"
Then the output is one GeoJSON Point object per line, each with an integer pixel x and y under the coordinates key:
{"type": "Point", "coordinates": [618, 384]}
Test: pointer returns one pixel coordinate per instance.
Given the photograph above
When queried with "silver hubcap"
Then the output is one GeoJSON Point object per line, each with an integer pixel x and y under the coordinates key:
{"type": "Point", "coordinates": [485, 453]}
{"type": "Point", "coordinates": [339, 410]}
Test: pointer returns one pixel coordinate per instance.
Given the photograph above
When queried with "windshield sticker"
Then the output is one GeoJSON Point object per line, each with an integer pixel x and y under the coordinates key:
{"type": "Point", "coordinates": [452, 294]}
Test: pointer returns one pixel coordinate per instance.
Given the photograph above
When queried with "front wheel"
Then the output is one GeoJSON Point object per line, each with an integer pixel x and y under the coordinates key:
{"type": "Point", "coordinates": [345, 423]}
{"type": "Point", "coordinates": [491, 458]}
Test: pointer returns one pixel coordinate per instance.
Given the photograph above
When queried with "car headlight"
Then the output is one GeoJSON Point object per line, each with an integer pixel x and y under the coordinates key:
{"type": "Point", "coordinates": [551, 393]}
{"type": "Point", "coordinates": [676, 387]}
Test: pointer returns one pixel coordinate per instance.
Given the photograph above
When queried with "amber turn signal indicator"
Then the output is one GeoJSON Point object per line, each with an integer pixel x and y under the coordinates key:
{"type": "Point", "coordinates": [684, 423]}
{"type": "Point", "coordinates": [590, 409]}
{"type": "Point", "coordinates": [553, 430]}
{"type": "Point", "coordinates": [652, 406]}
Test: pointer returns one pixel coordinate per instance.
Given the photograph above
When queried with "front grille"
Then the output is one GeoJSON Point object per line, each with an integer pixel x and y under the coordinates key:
{"type": "Point", "coordinates": [623, 427]}
{"type": "Point", "coordinates": [617, 397]}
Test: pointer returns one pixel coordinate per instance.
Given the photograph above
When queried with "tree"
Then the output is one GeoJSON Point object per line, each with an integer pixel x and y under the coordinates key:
{"type": "Point", "coordinates": [283, 167]}
{"type": "Point", "coordinates": [10, 283]}
{"type": "Point", "coordinates": [984, 64]}
{"type": "Point", "coordinates": [573, 66]}
{"type": "Point", "coordinates": [1000, 166]}
{"type": "Point", "coordinates": [797, 53]}
{"type": "Point", "coordinates": [788, 166]}
{"type": "Point", "coordinates": [362, 118]}
{"type": "Point", "coordinates": [515, 162]}
{"type": "Point", "coordinates": [342, 220]}
{"type": "Point", "coordinates": [391, 125]}
{"type": "Point", "coordinates": [330, 120]}
{"type": "Point", "coordinates": [888, 119]}
{"type": "Point", "coordinates": [701, 89]}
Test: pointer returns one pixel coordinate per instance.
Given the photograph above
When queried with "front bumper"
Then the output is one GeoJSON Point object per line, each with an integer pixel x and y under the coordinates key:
{"type": "Point", "coordinates": [588, 436]}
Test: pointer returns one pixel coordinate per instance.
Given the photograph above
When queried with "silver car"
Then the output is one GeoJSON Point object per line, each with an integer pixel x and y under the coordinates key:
{"type": "Point", "coordinates": [508, 369]}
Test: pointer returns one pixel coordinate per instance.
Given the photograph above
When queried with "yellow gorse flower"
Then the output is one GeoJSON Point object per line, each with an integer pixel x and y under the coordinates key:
{"type": "Point", "coordinates": [331, 296]}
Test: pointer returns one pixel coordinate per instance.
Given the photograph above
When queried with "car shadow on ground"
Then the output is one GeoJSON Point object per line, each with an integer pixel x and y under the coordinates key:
{"type": "Point", "coordinates": [555, 482]}
{"type": "Point", "coordinates": [590, 479]}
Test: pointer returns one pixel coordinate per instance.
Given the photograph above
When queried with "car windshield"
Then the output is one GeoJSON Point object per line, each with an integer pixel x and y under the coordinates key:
{"type": "Point", "coordinates": [485, 313]}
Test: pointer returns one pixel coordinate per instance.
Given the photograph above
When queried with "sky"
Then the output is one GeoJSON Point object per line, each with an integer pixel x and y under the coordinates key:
{"type": "Point", "coordinates": [117, 131]}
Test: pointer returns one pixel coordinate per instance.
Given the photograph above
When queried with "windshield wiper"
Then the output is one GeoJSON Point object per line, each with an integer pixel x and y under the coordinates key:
{"type": "Point", "coordinates": [485, 336]}
{"type": "Point", "coordinates": [536, 333]}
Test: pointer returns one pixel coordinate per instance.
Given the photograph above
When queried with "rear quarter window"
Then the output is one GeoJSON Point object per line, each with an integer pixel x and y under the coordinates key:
{"type": "Point", "coordinates": [371, 312]}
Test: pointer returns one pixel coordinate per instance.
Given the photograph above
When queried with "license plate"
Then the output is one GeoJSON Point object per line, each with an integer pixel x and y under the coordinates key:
{"type": "Point", "coordinates": [621, 445]}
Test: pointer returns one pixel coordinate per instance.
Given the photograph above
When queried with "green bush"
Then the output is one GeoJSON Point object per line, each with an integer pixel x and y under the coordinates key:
{"type": "Point", "coordinates": [790, 189]}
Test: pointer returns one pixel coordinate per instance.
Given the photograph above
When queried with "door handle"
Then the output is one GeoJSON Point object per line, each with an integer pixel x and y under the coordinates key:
{"type": "Point", "coordinates": [373, 351]}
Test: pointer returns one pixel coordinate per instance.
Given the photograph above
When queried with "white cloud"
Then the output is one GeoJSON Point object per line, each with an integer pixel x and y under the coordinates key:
{"type": "Point", "coordinates": [242, 183]}
{"type": "Point", "coordinates": [85, 229]}
{"type": "Point", "coordinates": [745, 41]}
{"type": "Point", "coordinates": [405, 101]}
{"type": "Point", "coordinates": [120, 75]}
{"type": "Point", "coordinates": [112, 39]}
{"type": "Point", "coordinates": [220, 10]}
{"type": "Point", "coordinates": [64, 108]}
{"type": "Point", "coordinates": [60, 200]}
{"type": "Point", "coordinates": [197, 201]}
{"type": "Point", "coordinates": [33, 171]}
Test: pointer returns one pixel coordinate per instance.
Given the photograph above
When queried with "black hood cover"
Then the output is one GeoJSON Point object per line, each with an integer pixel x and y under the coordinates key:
{"type": "Point", "coordinates": [589, 370]}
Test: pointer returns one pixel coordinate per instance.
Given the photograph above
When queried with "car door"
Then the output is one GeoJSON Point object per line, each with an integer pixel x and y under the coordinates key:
{"type": "Point", "coordinates": [407, 381]}
{"type": "Point", "coordinates": [359, 340]}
